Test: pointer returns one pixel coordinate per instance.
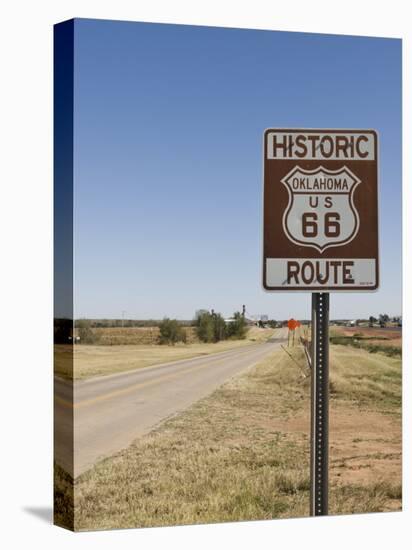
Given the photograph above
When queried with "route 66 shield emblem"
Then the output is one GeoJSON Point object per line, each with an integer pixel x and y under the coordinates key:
{"type": "Point", "coordinates": [321, 211]}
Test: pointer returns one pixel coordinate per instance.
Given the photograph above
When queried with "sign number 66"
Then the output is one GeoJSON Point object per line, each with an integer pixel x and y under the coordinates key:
{"type": "Point", "coordinates": [310, 224]}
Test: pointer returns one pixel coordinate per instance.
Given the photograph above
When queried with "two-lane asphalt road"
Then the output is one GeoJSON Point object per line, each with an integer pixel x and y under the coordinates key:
{"type": "Point", "coordinates": [109, 412]}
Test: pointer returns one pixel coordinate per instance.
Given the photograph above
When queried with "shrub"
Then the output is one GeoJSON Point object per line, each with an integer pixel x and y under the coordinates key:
{"type": "Point", "coordinates": [86, 333]}
{"type": "Point", "coordinates": [206, 327]}
{"type": "Point", "coordinates": [237, 328]}
{"type": "Point", "coordinates": [171, 332]}
{"type": "Point", "coordinates": [211, 327]}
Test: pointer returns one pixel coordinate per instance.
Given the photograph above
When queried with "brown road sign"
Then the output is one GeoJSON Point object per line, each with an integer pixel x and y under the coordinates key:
{"type": "Point", "coordinates": [320, 230]}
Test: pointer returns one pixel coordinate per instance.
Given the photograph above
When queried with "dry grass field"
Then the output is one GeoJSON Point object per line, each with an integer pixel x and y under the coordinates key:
{"type": "Point", "coordinates": [98, 360]}
{"type": "Point", "coordinates": [243, 452]}
{"type": "Point", "coordinates": [113, 336]}
{"type": "Point", "coordinates": [387, 341]}
{"type": "Point", "coordinates": [392, 336]}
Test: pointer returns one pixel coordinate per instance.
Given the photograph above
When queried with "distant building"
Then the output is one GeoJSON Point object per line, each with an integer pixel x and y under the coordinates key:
{"type": "Point", "coordinates": [248, 321]}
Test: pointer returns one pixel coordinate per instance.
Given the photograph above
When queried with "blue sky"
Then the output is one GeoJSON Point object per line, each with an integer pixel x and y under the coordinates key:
{"type": "Point", "coordinates": [169, 122]}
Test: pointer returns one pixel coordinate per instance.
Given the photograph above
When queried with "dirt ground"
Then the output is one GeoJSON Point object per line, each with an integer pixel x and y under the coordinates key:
{"type": "Point", "coordinates": [358, 453]}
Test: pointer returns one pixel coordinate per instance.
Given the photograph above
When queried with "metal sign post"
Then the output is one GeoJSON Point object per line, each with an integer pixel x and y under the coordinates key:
{"type": "Point", "coordinates": [320, 405]}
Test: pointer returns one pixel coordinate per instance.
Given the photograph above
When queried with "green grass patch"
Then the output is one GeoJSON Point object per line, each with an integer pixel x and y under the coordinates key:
{"type": "Point", "coordinates": [366, 379]}
{"type": "Point", "coordinates": [362, 343]}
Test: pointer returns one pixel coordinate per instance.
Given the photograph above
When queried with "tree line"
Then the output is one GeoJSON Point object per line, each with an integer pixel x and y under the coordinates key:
{"type": "Point", "coordinates": [209, 325]}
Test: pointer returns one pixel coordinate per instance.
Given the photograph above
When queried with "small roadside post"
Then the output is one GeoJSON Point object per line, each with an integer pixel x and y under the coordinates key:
{"type": "Point", "coordinates": [292, 324]}
{"type": "Point", "coordinates": [320, 235]}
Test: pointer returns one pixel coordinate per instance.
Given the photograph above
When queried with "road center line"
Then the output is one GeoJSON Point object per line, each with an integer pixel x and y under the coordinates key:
{"type": "Point", "coordinates": [132, 388]}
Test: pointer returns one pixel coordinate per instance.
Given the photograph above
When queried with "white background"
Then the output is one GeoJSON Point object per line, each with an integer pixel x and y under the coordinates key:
{"type": "Point", "coordinates": [26, 272]}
